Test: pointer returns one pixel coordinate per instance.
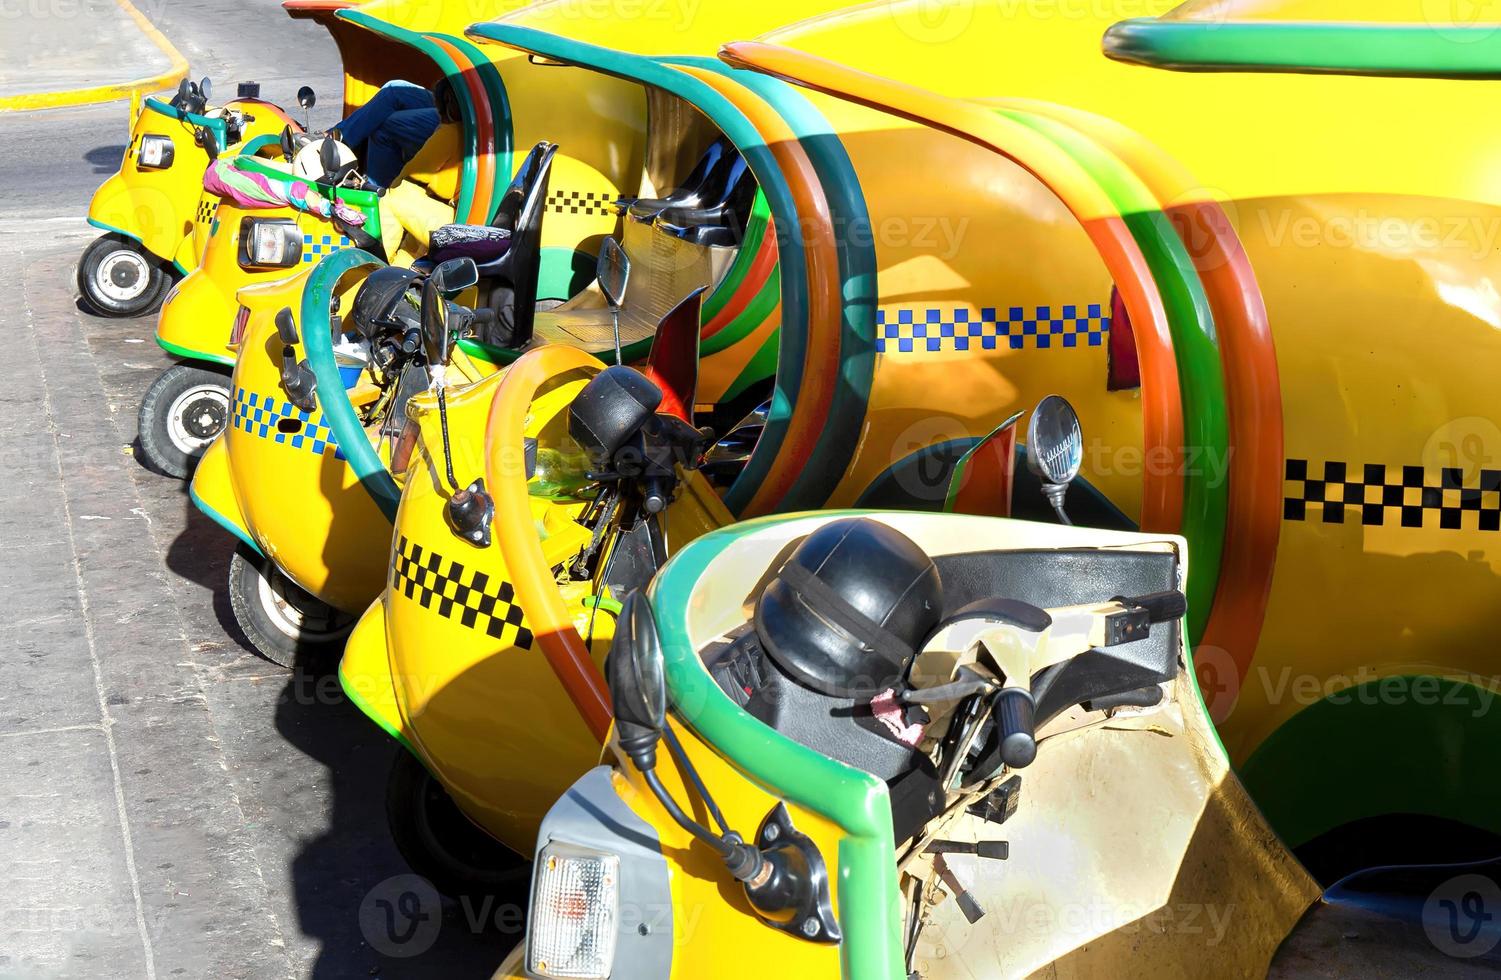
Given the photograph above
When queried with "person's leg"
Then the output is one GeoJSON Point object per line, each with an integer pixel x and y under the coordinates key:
{"type": "Point", "coordinates": [392, 98]}
{"type": "Point", "coordinates": [396, 142]}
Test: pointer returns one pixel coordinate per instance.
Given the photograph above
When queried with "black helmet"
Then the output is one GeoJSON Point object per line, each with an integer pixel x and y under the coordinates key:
{"type": "Point", "coordinates": [850, 608]}
{"type": "Point", "coordinates": [381, 305]}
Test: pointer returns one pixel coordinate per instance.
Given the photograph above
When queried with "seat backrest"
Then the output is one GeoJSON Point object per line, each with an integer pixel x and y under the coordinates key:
{"type": "Point", "coordinates": [522, 262]}
{"type": "Point", "coordinates": [515, 196]}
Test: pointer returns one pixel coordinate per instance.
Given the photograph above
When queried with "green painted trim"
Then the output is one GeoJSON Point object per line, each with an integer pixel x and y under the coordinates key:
{"type": "Point", "coordinates": [500, 112]}
{"type": "Point", "coordinates": [372, 714]}
{"type": "Point", "coordinates": [755, 312]}
{"type": "Point", "coordinates": [259, 143]}
{"type": "Point", "coordinates": [869, 906]}
{"type": "Point", "coordinates": [563, 271]}
{"type": "Point", "coordinates": [469, 170]}
{"type": "Point", "coordinates": [188, 354]}
{"type": "Point", "coordinates": [317, 343]}
{"type": "Point", "coordinates": [840, 432]}
{"type": "Point", "coordinates": [218, 127]}
{"type": "Point", "coordinates": [1383, 746]}
{"type": "Point", "coordinates": [1195, 347]}
{"type": "Point", "coordinates": [1404, 51]}
{"type": "Point", "coordinates": [755, 234]}
{"type": "Point", "coordinates": [768, 174]}
{"type": "Point", "coordinates": [181, 269]}
{"type": "Point", "coordinates": [223, 521]}
{"type": "Point", "coordinates": [500, 356]}
{"type": "Point", "coordinates": [760, 367]}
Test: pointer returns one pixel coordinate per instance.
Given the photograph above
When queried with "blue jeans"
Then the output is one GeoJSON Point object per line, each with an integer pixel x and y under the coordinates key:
{"type": "Point", "coordinates": [388, 130]}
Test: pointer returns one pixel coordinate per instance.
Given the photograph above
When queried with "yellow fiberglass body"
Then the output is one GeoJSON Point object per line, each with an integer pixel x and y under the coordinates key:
{"type": "Point", "coordinates": [1309, 167]}
{"type": "Point", "coordinates": [495, 719]}
{"type": "Point", "coordinates": [1120, 822]}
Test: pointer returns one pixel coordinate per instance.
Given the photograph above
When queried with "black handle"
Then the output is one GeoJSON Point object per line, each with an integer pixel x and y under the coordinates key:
{"type": "Point", "coordinates": [1014, 720]}
{"type": "Point", "coordinates": [1160, 607]}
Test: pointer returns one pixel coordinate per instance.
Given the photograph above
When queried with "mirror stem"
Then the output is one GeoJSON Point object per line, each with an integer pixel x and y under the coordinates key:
{"type": "Point", "coordinates": [1054, 492]}
{"type": "Point", "coordinates": [443, 427]}
{"type": "Point", "coordinates": [615, 323]}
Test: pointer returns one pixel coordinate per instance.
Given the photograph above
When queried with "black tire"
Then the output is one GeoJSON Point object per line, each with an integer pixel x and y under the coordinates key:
{"type": "Point", "coordinates": [445, 847]}
{"type": "Point", "coordinates": [119, 278]}
{"type": "Point", "coordinates": [184, 410]}
{"type": "Point", "coordinates": [283, 623]}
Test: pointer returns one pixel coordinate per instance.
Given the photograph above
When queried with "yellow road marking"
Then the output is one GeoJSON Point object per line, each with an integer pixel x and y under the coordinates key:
{"type": "Point", "coordinates": [118, 90]}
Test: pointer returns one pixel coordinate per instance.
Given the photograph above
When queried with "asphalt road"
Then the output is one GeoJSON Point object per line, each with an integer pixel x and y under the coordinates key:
{"type": "Point", "coordinates": [171, 805]}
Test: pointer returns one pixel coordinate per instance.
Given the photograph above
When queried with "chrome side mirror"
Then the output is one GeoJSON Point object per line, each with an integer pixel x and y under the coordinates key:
{"type": "Point", "coordinates": [1055, 449]}
{"type": "Point", "coordinates": [206, 89]}
{"type": "Point", "coordinates": [307, 98]}
{"type": "Point", "coordinates": [455, 276]}
{"type": "Point", "coordinates": [614, 272]}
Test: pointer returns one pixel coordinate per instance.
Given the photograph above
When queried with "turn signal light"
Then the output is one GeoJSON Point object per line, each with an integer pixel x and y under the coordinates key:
{"type": "Point", "coordinates": [575, 912]}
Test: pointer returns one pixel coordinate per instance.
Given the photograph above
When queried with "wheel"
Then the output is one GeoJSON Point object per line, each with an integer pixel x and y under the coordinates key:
{"type": "Point", "coordinates": [286, 625]}
{"type": "Point", "coordinates": [116, 277]}
{"type": "Point", "coordinates": [184, 410]}
{"type": "Point", "coordinates": [444, 846]}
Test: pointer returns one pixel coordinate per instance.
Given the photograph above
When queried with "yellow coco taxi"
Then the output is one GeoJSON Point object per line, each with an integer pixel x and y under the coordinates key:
{"type": "Point", "coordinates": [819, 173]}
{"type": "Point", "coordinates": [721, 247]}
{"type": "Point", "coordinates": [1331, 436]}
{"type": "Point", "coordinates": [454, 173]}
{"type": "Point", "coordinates": [153, 211]}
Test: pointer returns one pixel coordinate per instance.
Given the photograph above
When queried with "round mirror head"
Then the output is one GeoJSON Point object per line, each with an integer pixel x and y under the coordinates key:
{"type": "Point", "coordinates": [614, 272]}
{"type": "Point", "coordinates": [306, 97]}
{"type": "Point", "coordinates": [206, 89]}
{"type": "Point", "coordinates": [1055, 442]}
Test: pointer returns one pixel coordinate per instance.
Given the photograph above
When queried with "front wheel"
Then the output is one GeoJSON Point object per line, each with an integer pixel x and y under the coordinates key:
{"type": "Point", "coordinates": [445, 847]}
{"type": "Point", "coordinates": [184, 410]}
{"type": "Point", "coordinates": [283, 623]}
{"type": "Point", "coordinates": [118, 278]}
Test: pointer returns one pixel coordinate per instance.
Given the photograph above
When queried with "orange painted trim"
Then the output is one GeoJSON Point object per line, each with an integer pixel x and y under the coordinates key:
{"type": "Point", "coordinates": [825, 297]}
{"type": "Point", "coordinates": [761, 269]}
{"type": "Point", "coordinates": [484, 115]}
{"type": "Point", "coordinates": [1162, 407]}
{"type": "Point", "coordinates": [536, 588]}
{"type": "Point", "coordinates": [1252, 385]}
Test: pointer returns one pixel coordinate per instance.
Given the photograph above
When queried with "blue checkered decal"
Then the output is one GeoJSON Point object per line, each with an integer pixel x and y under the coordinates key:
{"type": "Point", "coordinates": [903, 331]}
{"type": "Point", "coordinates": [314, 247]}
{"type": "Point", "coordinates": [264, 417]}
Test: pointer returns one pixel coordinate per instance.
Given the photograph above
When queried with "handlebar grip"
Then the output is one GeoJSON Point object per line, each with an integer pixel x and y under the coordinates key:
{"type": "Point", "coordinates": [1015, 725]}
{"type": "Point", "coordinates": [1161, 607]}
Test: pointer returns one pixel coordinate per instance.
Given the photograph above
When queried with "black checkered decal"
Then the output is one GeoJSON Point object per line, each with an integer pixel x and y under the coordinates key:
{"type": "Point", "coordinates": [582, 202]}
{"type": "Point", "coordinates": [207, 208]}
{"type": "Point", "coordinates": [1382, 494]}
{"type": "Point", "coordinates": [454, 592]}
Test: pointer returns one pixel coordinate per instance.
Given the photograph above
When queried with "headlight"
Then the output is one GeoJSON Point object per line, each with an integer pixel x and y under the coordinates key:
{"type": "Point", "coordinates": [269, 243]}
{"type": "Point", "coordinates": [155, 152]}
{"type": "Point", "coordinates": [575, 910]}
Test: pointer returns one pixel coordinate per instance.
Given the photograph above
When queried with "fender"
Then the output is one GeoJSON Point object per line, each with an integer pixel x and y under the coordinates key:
{"type": "Point", "coordinates": [212, 491]}
{"type": "Point", "coordinates": [365, 673]}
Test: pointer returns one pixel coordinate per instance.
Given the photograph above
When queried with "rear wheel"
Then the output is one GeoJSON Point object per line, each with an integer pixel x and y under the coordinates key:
{"type": "Point", "coordinates": [283, 623]}
{"type": "Point", "coordinates": [117, 277]}
{"type": "Point", "coordinates": [184, 410]}
{"type": "Point", "coordinates": [446, 848]}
